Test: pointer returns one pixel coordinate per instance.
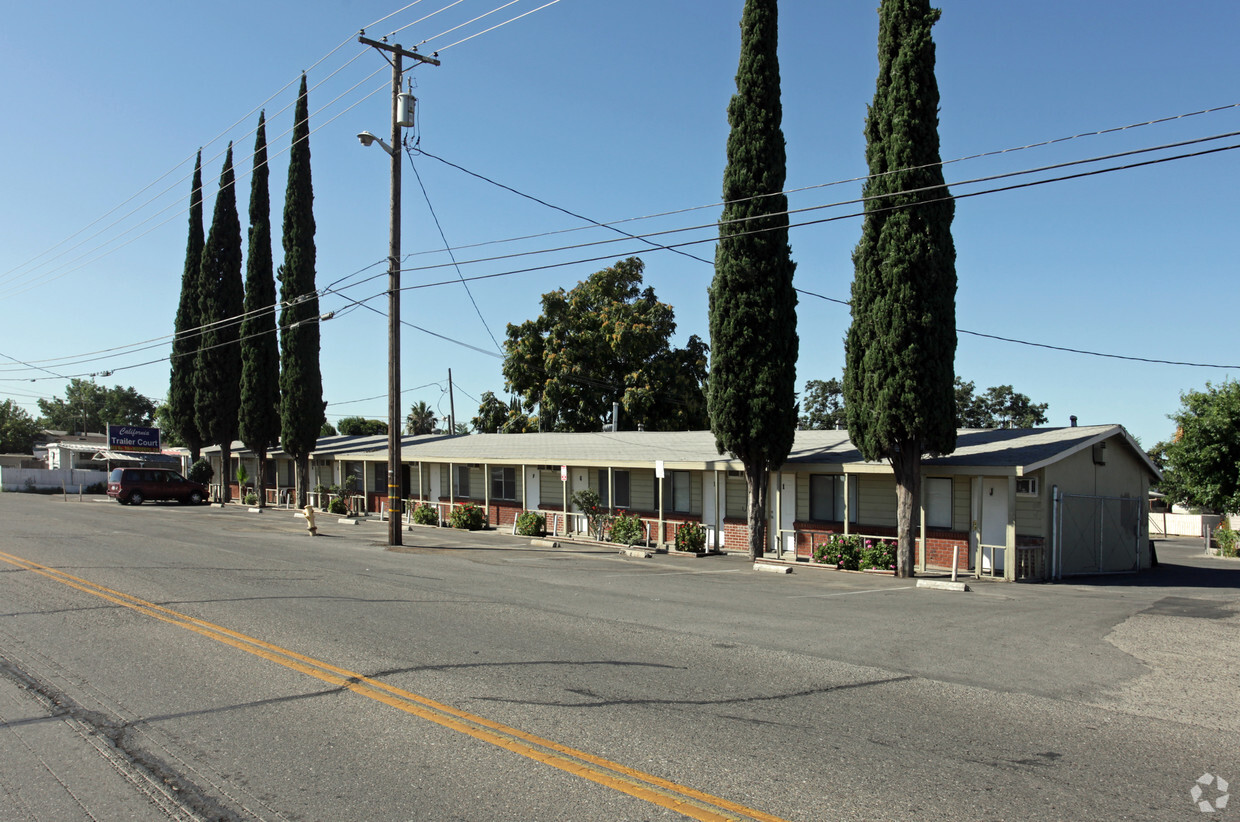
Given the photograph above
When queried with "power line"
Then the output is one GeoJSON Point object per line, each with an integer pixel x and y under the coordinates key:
{"type": "Point", "coordinates": [439, 227]}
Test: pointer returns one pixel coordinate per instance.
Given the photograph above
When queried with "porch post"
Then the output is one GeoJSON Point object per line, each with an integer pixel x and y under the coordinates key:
{"type": "Point", "coordinates": [921, 523]}
{"type": "Point", "coordinates": [975, 533]}
{"type": "Point", "coordinates": [1009, 565]}
{"type": "Point", "coordinates": [486, 492]}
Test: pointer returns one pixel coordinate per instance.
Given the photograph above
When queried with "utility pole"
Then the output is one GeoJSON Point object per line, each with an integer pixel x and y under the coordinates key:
{"type": "Point", "coordinates": [451, 407]}
{"type": "Point", "coordinates": [394, 427]}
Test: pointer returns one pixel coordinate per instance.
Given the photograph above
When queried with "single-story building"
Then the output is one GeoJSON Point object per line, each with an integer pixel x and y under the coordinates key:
{"type": "Point", "coordinates": [1037, 503]}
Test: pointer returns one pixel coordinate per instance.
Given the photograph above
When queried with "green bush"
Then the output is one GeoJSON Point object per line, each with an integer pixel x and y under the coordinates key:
{"type": "Point", "coordinates": [597, 516]}
{"type": "Point", "coordinates": [251, 498]}
{"type": "Point", "coordinates": [841, 551]}
{"type": "Point", "coordinates": [337, 506]}
{"type": "Point", "coordinates": [626, 529]}
{"type": "Point", "coordinates": [1226, 539]}
{"type": "Point", "coordinates": [201, 471]}
{"type": "Point", "coordinates": [425, 514]}
{"type": "Point", "coordinates": [531, 524]}
{"type": "Point", "coordinates": [691, 538]}
{"type": "Point", "coordinates": [878, 553]}
{"type": "Point", "coordinates": [467, 517]}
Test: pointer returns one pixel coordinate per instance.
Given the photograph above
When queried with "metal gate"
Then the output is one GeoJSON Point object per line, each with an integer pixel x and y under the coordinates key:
{"type": "Point", "coordinates": [1096, 535]}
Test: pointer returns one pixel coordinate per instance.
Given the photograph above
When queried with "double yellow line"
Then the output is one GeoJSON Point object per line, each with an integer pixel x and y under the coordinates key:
{"type": "Point", "coordinates": [664, 793]}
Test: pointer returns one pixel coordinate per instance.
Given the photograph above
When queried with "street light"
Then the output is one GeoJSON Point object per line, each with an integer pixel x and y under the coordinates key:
{"type": "Point", "coordinates": [402, 115]}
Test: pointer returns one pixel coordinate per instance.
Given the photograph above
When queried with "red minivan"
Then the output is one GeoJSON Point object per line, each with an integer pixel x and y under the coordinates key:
{"type": "Point", "coordinates": [136, 485]}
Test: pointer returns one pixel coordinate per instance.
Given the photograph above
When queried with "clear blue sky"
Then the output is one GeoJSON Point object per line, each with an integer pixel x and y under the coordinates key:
{"type": "Point", "coordinates": [618, 111]}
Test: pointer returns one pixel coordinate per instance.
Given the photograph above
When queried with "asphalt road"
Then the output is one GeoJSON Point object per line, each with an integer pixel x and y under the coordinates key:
{"type": "Point", "coordinates": [197, 663]}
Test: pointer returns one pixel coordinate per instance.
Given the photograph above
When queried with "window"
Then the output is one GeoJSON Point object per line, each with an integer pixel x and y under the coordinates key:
{"type": "Point", "coordinates": [1027, 486]}
{"type": "Point", "coordinates": [622, 488]}
{"type": "Point", "coordinates": [679, 483]}
{"type": "Point", "coordinates": [938, 502]}
{"type": "Point", "coordinates": [826, 498]}
{"type": "Point", "coordinates": [460, 481]}
{"type": "Point", "coordinates": [381, 477]}
{"type": "Point", "coordinates": [504, 483]}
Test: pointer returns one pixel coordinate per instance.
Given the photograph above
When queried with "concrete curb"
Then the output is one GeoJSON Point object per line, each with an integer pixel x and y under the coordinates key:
{"type": "Point", "coordinates": [545, 543]}
{"type": "Point", "coordinates": [774, 569]}
{"type": "Point", "coordinates": [640, 553]}
{"type": "Point", "coordinates": [942, 585]}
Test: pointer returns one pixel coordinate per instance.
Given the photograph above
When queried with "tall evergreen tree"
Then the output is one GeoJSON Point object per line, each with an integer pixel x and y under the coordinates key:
{"type": "Point", "coordinates": [753, 337]}
{"type": "Point", "coordinates": [301, 382]}
{"type": "Point", "coordinates": [185, 344]}
{"type": "Point", "coordinates": [901, 347]}
{"type": "Point", "coordinates": [259, 422]}
{"type": "Point", "coordinates": [217, 382]}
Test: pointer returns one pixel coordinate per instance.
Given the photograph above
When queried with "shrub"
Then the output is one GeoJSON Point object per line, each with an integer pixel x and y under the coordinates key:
{"type": "Point", "coordinates": [626, 529]}
{"type": "Point", "coordinates": [201, 471]}
{"type": "Point", "coordinates": [531, 524]}
{"type": "Point", "coordinates": [467, 517]}
{"type": "Point", "coordinates": [337, 506]}
{"type": "Point", "coordinates": [251, 498]}
{"type": "Point", "coordinates": [691, 538]}
{"type": "Point", "coordinates": [597, 516]}
{"type": "Point", "coordinates": [1226, 539]}
{"type": "Point", "coordinates": [878, 553]}
{"type": "Point", "coordinates": [96, 488]}
{"type": "Point", "coordinates": [425, 514]}
{"type": "Point", "coordinates": [841, 551]}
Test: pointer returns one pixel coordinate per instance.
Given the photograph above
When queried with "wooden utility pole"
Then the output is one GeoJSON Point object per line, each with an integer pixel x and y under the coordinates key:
{"type": "Point", "coordinates": [394, 418]}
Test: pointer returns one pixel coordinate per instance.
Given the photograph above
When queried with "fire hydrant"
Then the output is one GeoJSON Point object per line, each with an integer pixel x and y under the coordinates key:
{"type": "Point", "coordinates": [310, 526]}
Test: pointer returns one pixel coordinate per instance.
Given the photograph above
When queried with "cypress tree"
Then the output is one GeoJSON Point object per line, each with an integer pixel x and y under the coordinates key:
{"type": "Point", "coordinates": [185, 343]}
{"type": "Point", "coordinates": [751, 387]}
{"type": "Point", "coordinates": [259, 421]}
{"type": "Point", "coordinates": [218, 380]}
{"type": "Point", "coordinates": [901, 347]}
{"type": "Point", "coordinates": [301, 383]}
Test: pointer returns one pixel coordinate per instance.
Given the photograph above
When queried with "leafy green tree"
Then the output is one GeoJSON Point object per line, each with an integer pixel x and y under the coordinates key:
{"type": "Point", "coordinates": [460, 429]}
{"type": "Point", "coordinates": [605, 341]}
{"type": "Point", "coordinates": [327, 429]}
{"type": "Point", "coordinates": [17, 429]}
{"type": "Point", "coordinates": [259, 421]}
{"type": "Point", "coordinates": [496, 416]}
{"type": "Point", "coordinates": [1202, 460]}
{"type": "Point", "coordinates": [822, 405]}
{"type": "Point", "coordinates": [900, 349]}
{"type": "Point", "coordinates": [88, 407]}
{"type": "Point", "coordinates": [301, 381]}
{"type": "Point", "coordinates": [168, 431]}
{"type": "Point", "coordinates": [753, 337]}
{"type": "Point", "coordinates": [361, 427]}
{"type": "Point", "coordinates": [182, 416]}
{"type": "Point", "coordinates": [999, 407]}
{"type": "Point", "coordinates": [421, 419]}
{"type": "Point", "coordinates": [492, 414]}
{"type": "Point", "coordinates": [217, 381]}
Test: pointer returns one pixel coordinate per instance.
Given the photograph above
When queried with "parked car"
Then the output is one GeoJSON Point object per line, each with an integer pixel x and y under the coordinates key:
{"type": "Point", "coordinates": [136, 485]}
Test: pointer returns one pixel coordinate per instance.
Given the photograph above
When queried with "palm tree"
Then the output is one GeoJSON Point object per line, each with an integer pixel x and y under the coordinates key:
{"type": "Point", "coordinates": [421, 419]}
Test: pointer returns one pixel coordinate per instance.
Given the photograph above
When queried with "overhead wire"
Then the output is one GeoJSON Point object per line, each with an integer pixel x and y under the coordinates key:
{"type": "Point", "coordinates": [439, 227]}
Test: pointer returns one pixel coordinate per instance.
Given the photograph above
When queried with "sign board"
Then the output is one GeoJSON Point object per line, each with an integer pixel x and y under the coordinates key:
{"type": "Point", "coordinates": [563, 473]}
{"type": "Point", "coordinates": [658, 468]}
{"type": "Point", "coordinates": [133, 438]}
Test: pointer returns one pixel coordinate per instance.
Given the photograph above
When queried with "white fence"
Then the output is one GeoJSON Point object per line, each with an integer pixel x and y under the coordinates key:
{"type": "Point", "coordinates": [1182, 525]}
{"type": "Point", "coordinates": [26, 479]}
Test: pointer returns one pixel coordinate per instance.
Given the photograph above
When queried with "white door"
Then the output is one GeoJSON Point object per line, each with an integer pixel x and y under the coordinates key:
{"type": "Point", "coordinates": [994, 523]}
{"type": "Point", "coordinates": [781, 515]}
{"type": "Point", "coordinates": [533, 490]}
{"type": "Point", "coordinates": [710, 495]}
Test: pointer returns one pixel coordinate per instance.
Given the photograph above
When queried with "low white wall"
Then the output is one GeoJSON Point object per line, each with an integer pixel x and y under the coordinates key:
{"type": "Point", "coordinates": [1182, 525]}
{"type": "Point", "coordinates": [20, 479]}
